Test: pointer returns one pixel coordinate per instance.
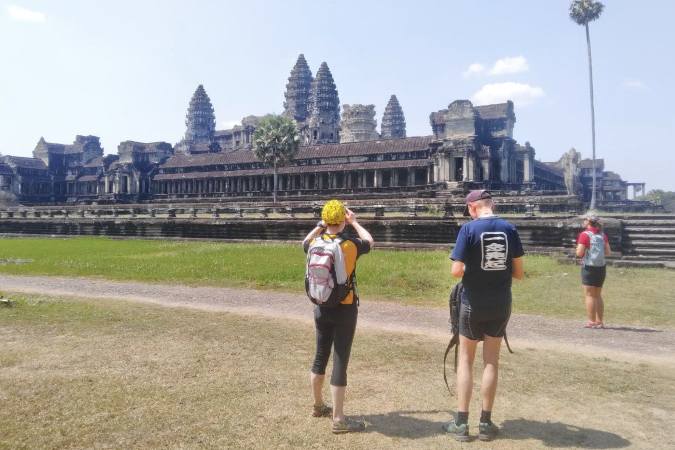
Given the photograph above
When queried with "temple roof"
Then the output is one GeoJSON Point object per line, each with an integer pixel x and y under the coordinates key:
{"type": "Point", "coordinates": [365, 147]}
{"type": "Point", "coordinates": [64, 149]}
{"type": "Point", "coordinates": [5, 169]}
{"type": "Point", "coordinates": [611, 176]}
{"type": "Point", "coordinates": [549, 166]}
{"type": "Point", "coordinates": [588, 164]}
{"type": "Point", "coordinates": [94, 162]}
{"type": "Point", "coordinates": [496, 111]}
{"type": "Point", "coordinates": [28, 163]}
{"type": "Point", "coordinates": [305, 152]}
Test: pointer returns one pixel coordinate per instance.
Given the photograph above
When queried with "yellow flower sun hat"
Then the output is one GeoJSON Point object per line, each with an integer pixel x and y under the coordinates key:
{"type": "Point", "coordinates": [334, 212]}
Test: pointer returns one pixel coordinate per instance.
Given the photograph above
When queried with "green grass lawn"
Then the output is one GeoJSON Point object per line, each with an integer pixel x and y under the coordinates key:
{"type": "Point", "coordinates": [632, 296]}
{"type": "Point", "coordinates": [113, 374]}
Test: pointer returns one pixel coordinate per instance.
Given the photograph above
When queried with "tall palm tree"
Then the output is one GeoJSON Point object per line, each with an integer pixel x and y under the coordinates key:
{"type": "Point", "coordinates": [583, 12]}
{"type": "Point", "coordinates": [275, 142]}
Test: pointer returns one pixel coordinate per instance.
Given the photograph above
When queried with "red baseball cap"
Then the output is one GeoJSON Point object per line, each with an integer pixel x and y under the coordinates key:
{"type": "Point", "coordinates": [474, 196]}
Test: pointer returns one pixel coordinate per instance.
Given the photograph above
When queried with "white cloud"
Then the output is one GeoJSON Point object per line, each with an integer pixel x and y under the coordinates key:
{"type": "Point", "coordinates": [227, 124]}
{"type": "Point", "coordinates": [25, 15]}
{"type": "Point", "coordinates": [634, 84]}
{"type": "Point", "coordinates": [521, 94]}
{"type": "Point", "coordinates": [473, 69]}
{"type": "Point", "coordinates": [510, 65]}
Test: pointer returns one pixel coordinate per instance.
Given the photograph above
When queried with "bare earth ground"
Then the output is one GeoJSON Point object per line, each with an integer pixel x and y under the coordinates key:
{"type": "Point", "coordinates": [620, 342]}
{"type": "Point", "coordinates": [121, 368]}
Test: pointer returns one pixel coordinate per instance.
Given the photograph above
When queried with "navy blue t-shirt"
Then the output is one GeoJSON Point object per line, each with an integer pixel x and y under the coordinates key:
{"type": "Point", "coordinates": [487, 246]}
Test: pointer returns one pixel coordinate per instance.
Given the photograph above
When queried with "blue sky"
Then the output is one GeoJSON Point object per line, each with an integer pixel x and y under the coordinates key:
{"type": "Point", "coordinates": [126, 69]}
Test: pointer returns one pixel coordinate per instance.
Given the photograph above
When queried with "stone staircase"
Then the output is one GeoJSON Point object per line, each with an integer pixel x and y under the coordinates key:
{"type": "Point", "coordinates": [648, 241]}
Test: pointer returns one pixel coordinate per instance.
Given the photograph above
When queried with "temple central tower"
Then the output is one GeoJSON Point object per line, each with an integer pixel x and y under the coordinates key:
{"type": "Point", "coordinates": [298, 90]}
{"type": "Point", "coordinates": [323, 124]}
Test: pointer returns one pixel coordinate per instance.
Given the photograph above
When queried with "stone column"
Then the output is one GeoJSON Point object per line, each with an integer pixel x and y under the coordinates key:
{"type": "Point", "coordinates": [505, 172]}
{"type": "Point", "coordinates": [528, 166]}
{"type": "Point", "coordinates": [465, 168]}
{"type": "Point", "coordinates": [377, 181]}
{"type": "Point", "coordinates": [486, 169]}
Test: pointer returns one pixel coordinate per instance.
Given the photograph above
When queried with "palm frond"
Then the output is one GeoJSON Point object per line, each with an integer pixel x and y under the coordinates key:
{"type": "Point", "coordinates": [584, 11]}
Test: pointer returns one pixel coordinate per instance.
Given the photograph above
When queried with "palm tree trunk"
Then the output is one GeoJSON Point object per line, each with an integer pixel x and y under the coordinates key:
{"type": "Point", "coordinates": [590, 80]}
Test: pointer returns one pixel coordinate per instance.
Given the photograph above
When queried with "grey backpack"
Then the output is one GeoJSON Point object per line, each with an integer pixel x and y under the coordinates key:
{"type": "Point", "coordinates": [326, 280]}
{"type": "Point", "coordinates": [595, 255]}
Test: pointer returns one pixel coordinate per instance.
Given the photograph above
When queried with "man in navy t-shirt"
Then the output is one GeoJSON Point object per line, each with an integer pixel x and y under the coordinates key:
{"type": "Point", "coordinates": [487, 255]}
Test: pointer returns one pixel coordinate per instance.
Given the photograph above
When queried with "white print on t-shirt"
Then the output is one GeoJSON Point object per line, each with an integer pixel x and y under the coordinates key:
{"type": "Point", "coordinates": [494, 248]}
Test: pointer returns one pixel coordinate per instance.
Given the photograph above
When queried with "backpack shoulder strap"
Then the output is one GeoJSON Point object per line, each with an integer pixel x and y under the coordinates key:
{"type": "Point", "coordinates": [454, 342]}
{"type": "Point", "coordinates": [506, 341]}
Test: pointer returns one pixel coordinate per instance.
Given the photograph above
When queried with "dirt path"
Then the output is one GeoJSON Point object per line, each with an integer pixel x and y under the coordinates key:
{"type": "Point", "coordinates": [624, 342]}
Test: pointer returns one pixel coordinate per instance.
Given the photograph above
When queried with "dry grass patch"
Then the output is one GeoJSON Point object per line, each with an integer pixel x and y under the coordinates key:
{"type": "Point", "coordinates": [85, 374]}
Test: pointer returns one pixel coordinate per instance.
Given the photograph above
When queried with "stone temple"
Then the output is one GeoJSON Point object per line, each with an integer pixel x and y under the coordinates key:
{"type": "Point", "coordinates": [342, 153]}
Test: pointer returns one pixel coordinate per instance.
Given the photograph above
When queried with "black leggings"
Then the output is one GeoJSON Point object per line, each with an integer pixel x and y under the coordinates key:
{"type": "Point", "coordinates": [334, 327]}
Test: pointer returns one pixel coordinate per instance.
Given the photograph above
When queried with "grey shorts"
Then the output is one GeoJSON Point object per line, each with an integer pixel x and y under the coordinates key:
{"type": "Point", "coordinates": [476, 324]}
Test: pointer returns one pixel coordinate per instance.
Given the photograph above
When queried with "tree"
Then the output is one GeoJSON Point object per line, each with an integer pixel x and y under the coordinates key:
{"type": "Point", "coordinates": [660, 197]}
{"type": "Point", "coordinates": [275, 142]}
{"type": "Point", "coordinates": [583, 12]}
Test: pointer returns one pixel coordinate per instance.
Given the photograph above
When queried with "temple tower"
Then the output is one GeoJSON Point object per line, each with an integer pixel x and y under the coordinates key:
{"type": "Point", "coordinates": [324, 109]}
{"type": "Point", "coordinates": [200, 120]}
{"type": "Point", "coordinates": [298, 89]}
{"type": "Point", "coordinates": [358, 123]}
{"type": "Point", "coordinates": [393, 121]}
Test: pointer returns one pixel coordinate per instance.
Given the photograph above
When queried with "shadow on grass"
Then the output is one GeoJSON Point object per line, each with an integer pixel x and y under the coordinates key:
{"type": "Point", "coordinates": [401, 424]}
{"type": "Point", "coordinates": [558, 434]}
{"type": "Point", "coordinates": [633, 329]}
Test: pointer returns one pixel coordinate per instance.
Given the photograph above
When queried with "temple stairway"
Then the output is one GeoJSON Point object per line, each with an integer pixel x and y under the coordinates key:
{"type": "Point", "coordinates": [648, 242]}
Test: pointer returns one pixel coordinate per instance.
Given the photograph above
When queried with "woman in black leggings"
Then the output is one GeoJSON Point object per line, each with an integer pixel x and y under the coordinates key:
{"type": "Point", "coordinates": [335, 326]}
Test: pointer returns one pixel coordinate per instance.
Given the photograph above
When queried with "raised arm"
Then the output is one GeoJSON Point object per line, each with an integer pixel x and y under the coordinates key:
{"type": "Point", "coordinates": [362, 232]}
{"type": "Point", "coordinates": [314, 233]}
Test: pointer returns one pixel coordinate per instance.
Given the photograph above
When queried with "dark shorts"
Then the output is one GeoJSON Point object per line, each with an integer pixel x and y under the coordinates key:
{"type": "Point", "coordinates": [475, 324]}
{"type": "Point", "coordinates": [593, 276]}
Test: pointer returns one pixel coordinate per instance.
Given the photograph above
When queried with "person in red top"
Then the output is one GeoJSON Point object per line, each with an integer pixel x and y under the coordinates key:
{"type": "Point", "coordinates": [593, 248]}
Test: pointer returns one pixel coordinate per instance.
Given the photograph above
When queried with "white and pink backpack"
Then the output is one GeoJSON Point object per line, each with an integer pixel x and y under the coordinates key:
{"type": "Point", "coordinates": [326, 280]}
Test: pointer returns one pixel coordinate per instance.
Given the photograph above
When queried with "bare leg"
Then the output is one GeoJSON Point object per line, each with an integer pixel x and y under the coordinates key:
{"type": "Point", "coordinates": [488, 387]}
{"type": "Point", "coordinates": [338, 393]}
{"type": "Point", "coordinates": [317, 387]}
{"type": "Point", "coordinates": [590, 303]}
{"type": "Point", "coordinates": [599, 306]}
{"type": "Point", "coordinates": [467, 354]}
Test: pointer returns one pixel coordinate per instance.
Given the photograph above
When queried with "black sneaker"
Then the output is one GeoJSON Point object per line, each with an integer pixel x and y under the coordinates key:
{"type": "Point", "coordinates": [460, 432]}
{"type": "Point", "coordinates": [487, 431]}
